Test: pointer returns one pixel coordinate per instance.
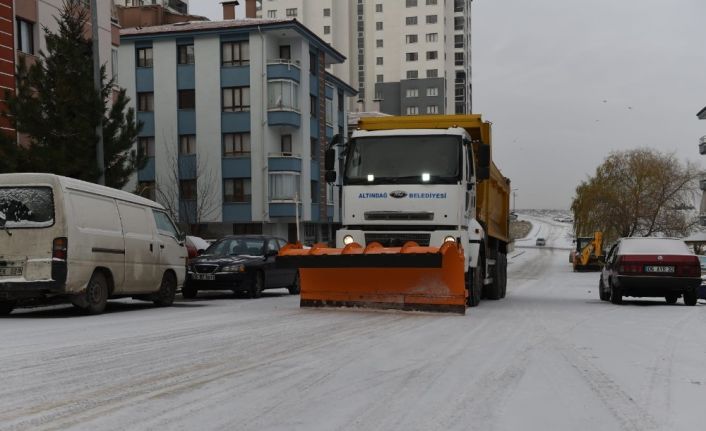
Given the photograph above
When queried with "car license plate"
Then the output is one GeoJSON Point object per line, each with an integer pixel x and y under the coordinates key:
{"type": "Point", "coordinates": [663, 269]}
{"type": "Point", "coordinates": [208, 277]}
{"type": "Point", "coordinates": [11, 272]}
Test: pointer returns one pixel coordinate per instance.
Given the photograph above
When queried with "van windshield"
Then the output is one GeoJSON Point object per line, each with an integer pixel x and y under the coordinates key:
{"type": "Point", "coordinates": [26, 207]}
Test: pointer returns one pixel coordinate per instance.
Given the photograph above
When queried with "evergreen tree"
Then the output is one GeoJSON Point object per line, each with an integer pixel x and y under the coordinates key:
{"type": "Point", "coordinates": [58, 108]}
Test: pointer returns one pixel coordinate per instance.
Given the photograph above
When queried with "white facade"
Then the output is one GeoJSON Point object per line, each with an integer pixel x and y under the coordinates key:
{"type": "Point", "coordinates": [438, 41]}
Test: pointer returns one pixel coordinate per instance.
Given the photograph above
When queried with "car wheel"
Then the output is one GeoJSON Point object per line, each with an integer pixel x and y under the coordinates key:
{"type": "Point", "coordinates": [671, 298]}
{"type": "Point", "coordinates": [188, 292]}
{"type": "Point", "coordinates": [616, 295]}
{"type": "Point", "coordinates": [690, 297]}
{"type": "Point", "coordinates": [258, 285]}
{"type": "Point", "coordinates": [96, 296]}
{"type": "Point", "coordinates": [602, 293]}
{"type": "Point", "coordinates": [167, 290]}
{"type": "Point", "coordinates": [6, 307]}
{"type": "Point", "coordinates": [295, 288]}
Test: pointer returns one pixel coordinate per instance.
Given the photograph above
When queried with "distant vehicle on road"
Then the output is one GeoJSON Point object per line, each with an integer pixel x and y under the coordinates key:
{"type": "Point", "coordinates": [69, 240]}
{"type": "Point", "coordinates": [540, 242]}
{"type": "Point", "coordinates": [241, 263]}
{"type": "Point", "coordinates": [650, 267]}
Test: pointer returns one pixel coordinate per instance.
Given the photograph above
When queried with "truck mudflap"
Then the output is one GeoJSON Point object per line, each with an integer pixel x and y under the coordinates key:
{"type": "Point", "coordinates": [410, 277]}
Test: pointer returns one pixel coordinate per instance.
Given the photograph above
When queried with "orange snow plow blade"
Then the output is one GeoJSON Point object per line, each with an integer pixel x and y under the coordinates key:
{"type": "Point", "coordinates": [405, 278]}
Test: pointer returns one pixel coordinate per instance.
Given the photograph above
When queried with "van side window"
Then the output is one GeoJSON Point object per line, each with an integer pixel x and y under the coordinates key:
{"type": "Point", "coordinates": [164, 224]}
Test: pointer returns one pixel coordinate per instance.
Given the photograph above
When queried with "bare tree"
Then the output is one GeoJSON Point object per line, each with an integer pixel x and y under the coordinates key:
{"type": "Point", "coordinates": [638, 193]}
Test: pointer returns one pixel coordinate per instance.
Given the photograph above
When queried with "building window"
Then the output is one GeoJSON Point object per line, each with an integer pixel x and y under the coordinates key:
{"type": "Point", "coordinates": [411, 38]}
{"type": "Point", "coordinates": [187, 144]}
{"type": "Point", "coordinates": [432, 73]}
{"type": "Point", "coordinates": [285, 52]}
{"type": "Point", "coordinates": [412, 92]}
{"type": "Point", "coordinates": [458, 5]}
{"type": "Point", "coordinates": [145, 102]}
{"type": "Point", "coordinates": [292, 11]}
{"type": "Point", "coordinates": [411, 20]}
{"type": "Point", "coordinates": [145, 145]}
{"type": "Point", "coordinates": [114, 65]}
{"type": "Point", "coordinates": [314, 143]}
{"type": "Point", "coordinates": [340, 101]}
{"type": "Point", "coordinates": [147, 189]}
{"type": "Point", "coordinates": [458, 41]}
{"type": "Point", "coordinates": [458, 58]}
{"type": "Point", "coordinates": [378, 61]}
{"type": "Point", "coordinates": [327, 11]}
{"type": "Point", "coordinates": [432, 37]}
{"type": "Point", "coordinates": [411, 56]}
{"type": "Point", "coordinates": [458, 23]}
{"type": "Point", "coordinates": [432, 91]}
{"type": "Point", "coordinates": [433, 109]}
{"type": "Point", "coordinates": [271, 14]}
{"type": "Point", "coordinates": [412, 74]}
{"type": "Point", "coordinates": [313, 62]}
{"type": "Point", "coordinates": [283, 94]}
{"type": "Point", "coordinates": [411, 3]}
{"type": "Point", "coordinates": [144, 57]}
{"type": "Point", "coordinates": [378, 43]}
{"type": "Point", "coordinates": [187, 99]}
{"type": "Point", "coordinates": [236, 190]}
{"type": "Point", "coordinates": [187, 190]}
{"type": "Point", "coordinates": [236, 53]}
{"type": "Point", "coordinates": [379, 78]}
{"type": "Point", "coordinates": [432, 55]}
{"type": "Point", "coordinates": [314, 192]}
{"type": "Point", "coordinates": [378, 94]}
{"type": "Point", "coordinates": [313, 106]}
{"type": "Point", "coordinates": [285, 142]}
{"type": "Point", "coordinates": [431, 2]}
{"type": "Point", "coordinates": [236, 99]}
{"type": "Point", "coordinates": [378, 25]}
{"type": "Point", "coordinates": [25, 36]}
{"type": "Point", "coordinates": [329, 111]}
{"type": "Point", "coordinates": [432, 19]}
{"type": "Point", "coordinates": [236, 145]}
{"type": "Point", "coordinates": [412, 110]}
{"type": "Point", "coordinates": [327, 29]}
{"type": "Point", "coordinates": [284, 186]}
{"type": "Point", "coordinates": [186, 54]}
{"type": "Point", "coordinates": [378, 7]}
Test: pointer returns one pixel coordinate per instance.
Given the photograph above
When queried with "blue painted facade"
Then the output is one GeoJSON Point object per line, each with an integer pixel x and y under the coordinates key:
{"type": "Point", "coordinates": [186, 121]}
{"type": "Point", "coordinates": [236, 167]}
{"type": "Point", "coordinates": [186, 77]}
{"type": "Point", "coordinates": [284, 71]}
{"type": "Point", "coordinates": [285, 164]}
{"type": "Point", "coordinates": [284, 118]}
{"type": "Point", "coordinates": [237, 212]}
{"type": "Point", "coordinates": [148, 172]}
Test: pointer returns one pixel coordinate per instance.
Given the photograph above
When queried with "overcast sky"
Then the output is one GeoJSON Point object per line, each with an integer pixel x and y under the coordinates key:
{"type": "Point", "coordinates": [565, 82]}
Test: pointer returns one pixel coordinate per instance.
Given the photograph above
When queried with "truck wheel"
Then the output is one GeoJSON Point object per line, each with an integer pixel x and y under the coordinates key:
{"type": "Point", "coordinates": [167, 291]}
{"type": "Point", "coordinates": [474, 282]}
{"type": "Point", "coordinates": [690, 297]}
{"type": "Point", "coordinates": [188, 292]}
{"type": "Point", "coordinates": [602, 293]}
{"type": "Point", "coordinates": [503, 276]}
{"type": "Point", "coordinates": [6, 307]}
{"type": "Point", "coordinates": [96, 296]}
{"type": "Point", "coordinates": [616, 295]}
{"type": "Point", "coordinates": [295, 288]}
{"type": "Point", "coordinates": [671, 298]}
{"type": "Point", "coordinates": [493, 291]}
{"type": "Point", "coordinates": [258, 285]}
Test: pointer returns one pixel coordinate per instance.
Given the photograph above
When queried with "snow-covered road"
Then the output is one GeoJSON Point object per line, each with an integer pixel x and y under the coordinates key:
{"type": "Point", "coordinates": [550, 356]}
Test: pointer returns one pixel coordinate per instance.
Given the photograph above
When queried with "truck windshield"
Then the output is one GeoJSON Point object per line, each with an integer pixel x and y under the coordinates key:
{"type": "Point", "coordinates": [26, 207]}
{"type": "Point", "coordinates": [428, 159]}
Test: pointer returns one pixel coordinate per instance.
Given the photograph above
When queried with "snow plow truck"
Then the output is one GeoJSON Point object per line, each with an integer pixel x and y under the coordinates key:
{"type": "Point", "coordinates": [425, 219]}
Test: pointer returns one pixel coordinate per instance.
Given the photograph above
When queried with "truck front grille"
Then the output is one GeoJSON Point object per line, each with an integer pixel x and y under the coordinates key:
{"type": "Point", "coordinates": [397, 239]}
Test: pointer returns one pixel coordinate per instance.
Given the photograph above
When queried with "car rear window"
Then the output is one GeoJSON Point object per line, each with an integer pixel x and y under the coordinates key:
{"type": "Point", "coordinates": [654, 246]}
{"type": "Point", "coordinates": [26, 207]}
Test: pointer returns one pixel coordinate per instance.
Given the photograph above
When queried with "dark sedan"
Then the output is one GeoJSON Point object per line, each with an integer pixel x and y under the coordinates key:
{"type": "Point", "coordinates": [653, 267]}
{"type": "Point", "coordinates": [242, 264]}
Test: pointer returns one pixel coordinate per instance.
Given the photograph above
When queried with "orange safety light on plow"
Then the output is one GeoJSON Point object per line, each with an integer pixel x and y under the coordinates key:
{"type": "Point", "coordinates": [405, 278]}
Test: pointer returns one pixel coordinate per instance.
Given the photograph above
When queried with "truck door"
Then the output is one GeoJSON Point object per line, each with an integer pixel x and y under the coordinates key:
{"type": "Point", "coordinates": [141, 259]}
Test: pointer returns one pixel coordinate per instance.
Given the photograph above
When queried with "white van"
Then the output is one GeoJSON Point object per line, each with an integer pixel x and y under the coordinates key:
{"type": "Point", "coordinates": [65, 239]}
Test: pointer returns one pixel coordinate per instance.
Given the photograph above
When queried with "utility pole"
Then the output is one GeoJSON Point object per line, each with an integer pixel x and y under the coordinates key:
{"type": "Point", "coordinates": [97, 84]}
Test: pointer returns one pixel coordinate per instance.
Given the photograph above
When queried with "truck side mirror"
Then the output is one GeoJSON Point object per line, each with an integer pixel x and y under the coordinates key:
{"type": "Point", "coordinates": [330, 159]}
{"type": "Point", "coordinates": [330, 176]}
{"type": "Point", "coordinates": [484, 156]}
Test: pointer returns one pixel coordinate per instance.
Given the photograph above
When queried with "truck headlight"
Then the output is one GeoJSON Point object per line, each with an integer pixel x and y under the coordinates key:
{"type": "Point", "coordinates": [449, 239]}
{"type": "Point", "coordinates": [233, 268]}
{"type": "Point", "coordinates": [347, 239]}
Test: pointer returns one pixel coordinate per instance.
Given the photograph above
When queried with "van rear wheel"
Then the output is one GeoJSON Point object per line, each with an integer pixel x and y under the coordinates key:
{"type": "Point", "coordinates": [167, 291]}
{"type": "Point", "coordinates": [6, 307]}
{"type": "Point", "coordinates": [96, 296]}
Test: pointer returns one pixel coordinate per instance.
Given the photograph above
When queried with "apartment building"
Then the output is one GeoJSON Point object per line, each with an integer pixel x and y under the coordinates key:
{"type": "Point", "coordinates": [174, 6]}
{"type": "Point", "coordinates": [237, 115]}
{"type": "Point", "coordinates": [406, 57]}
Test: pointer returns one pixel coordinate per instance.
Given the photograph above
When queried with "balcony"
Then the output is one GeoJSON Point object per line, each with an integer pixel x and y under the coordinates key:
{"type": "Point", "coordinates": [283, 69]}
{"type": "Point", "coordinates": [284, 209]}
{"type": "Point", "coordinates": [284, 117]}
{"type": "Point", "coordinates": [284, 162]}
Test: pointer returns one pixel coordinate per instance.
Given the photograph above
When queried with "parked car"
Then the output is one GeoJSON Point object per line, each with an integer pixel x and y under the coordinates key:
{"type": "Point", "coordinates": [650, 267]}
{"type": "Point", "coordinates": [196, 245]}
{"type": "Point", "coordinates": [540, 242]}
{"type": "Point", "coordinates": [241, 263]}
{"type": "Point", "coordinates": [702, 288]}
{"type": "Point", "coordinates": [65, 239]}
